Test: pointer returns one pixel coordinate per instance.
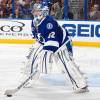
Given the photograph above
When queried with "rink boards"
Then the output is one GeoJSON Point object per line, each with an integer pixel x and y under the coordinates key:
{"type": "Point", "coordinates": [84, 33]}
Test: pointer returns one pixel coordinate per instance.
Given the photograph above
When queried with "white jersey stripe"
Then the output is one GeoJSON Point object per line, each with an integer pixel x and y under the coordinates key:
{"type": "Point", "coordinates": [52, 43]}
{"type": "Point", "coordinates": [64, 34]}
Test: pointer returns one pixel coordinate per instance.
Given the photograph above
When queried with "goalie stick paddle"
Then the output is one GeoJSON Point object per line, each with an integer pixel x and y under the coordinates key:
{"type": "Point", "coordinates": [9, 93]}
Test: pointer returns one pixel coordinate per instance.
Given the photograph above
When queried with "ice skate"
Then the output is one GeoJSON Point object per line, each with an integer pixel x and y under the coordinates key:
{"type": "Point", "coordinates": [82, 90]}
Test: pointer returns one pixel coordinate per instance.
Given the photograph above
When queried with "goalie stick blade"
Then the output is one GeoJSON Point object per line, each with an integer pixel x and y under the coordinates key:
{"type": "Point", "coordinates": [9, 93]}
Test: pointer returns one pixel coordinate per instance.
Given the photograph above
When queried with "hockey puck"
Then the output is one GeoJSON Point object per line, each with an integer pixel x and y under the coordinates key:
{"type": "Point", "coordinates": [9, 95]}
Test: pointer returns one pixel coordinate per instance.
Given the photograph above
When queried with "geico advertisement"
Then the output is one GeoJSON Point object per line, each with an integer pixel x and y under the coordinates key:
{"type": "Point", "coordinates": [79, 30]}
{"type": "Point", "coordinates": [82, 30]}
{"type": "Point", "coordinates": [15, 29]}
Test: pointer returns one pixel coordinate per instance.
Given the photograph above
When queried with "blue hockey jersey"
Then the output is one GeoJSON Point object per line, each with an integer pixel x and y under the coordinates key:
{"type": "Point", "coordinates": [50, 34]}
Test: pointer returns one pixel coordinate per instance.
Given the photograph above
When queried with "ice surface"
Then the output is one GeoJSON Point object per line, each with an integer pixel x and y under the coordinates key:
{"type": "Point", "coordinates": [52, 86]}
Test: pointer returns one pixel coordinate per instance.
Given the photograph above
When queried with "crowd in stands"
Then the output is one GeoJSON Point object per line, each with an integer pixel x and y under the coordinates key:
{"type": "Point", "coordinates": [22, 9]}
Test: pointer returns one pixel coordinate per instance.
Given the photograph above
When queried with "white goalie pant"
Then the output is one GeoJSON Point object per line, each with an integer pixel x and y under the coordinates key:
{"type": "Point", "coordinates": [31, 59]}
{"type": "Point", "coordinates": [76, 77]}
{"type": "Point", "coordinates": [40, 60]}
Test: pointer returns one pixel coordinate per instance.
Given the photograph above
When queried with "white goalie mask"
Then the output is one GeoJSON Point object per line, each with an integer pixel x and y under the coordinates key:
{"type": "Point", "coordinates": [39, 12]}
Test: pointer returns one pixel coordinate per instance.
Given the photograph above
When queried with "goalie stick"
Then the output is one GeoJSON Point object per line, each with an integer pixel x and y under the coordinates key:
{"type": "Point", "coordinates": [11, 92]}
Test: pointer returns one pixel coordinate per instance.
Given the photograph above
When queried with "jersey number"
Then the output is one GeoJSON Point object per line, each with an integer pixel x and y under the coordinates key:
{"type": "Point", "coordinates": [51, 35]}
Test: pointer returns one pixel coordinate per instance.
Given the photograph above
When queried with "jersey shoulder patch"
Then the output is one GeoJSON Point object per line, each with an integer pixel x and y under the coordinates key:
{"type": "Point", "coordinates": [49, 25]}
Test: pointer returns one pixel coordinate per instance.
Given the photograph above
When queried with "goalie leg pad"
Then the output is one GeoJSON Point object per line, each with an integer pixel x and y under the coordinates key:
{"type": "Point", "coordinates": [71, 69]}
{"type": "Point", "coordinates": [32, 56]}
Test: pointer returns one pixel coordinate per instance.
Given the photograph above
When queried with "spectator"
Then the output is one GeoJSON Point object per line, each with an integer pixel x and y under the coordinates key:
{"type": "Point", "coordinates": [1, 10]}
{"type": "Point", "coordinates": [94, 13]}
{"type": "Point", "coordinates": [70, 13]}
{"type": "Point", "coordinates": [25, 9]}
{"type": "Point", "coordinates": [56, 10]}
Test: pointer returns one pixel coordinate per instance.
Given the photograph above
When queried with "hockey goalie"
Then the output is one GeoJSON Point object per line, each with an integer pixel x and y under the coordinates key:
{"type": "Point", "coordinates": [52, 42]}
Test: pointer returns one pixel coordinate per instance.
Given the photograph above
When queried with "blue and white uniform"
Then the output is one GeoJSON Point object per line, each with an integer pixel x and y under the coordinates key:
{"type": "Point", "coordinates": [51, 34]}
{"type": "Point", "coordinates": [52, 40]}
